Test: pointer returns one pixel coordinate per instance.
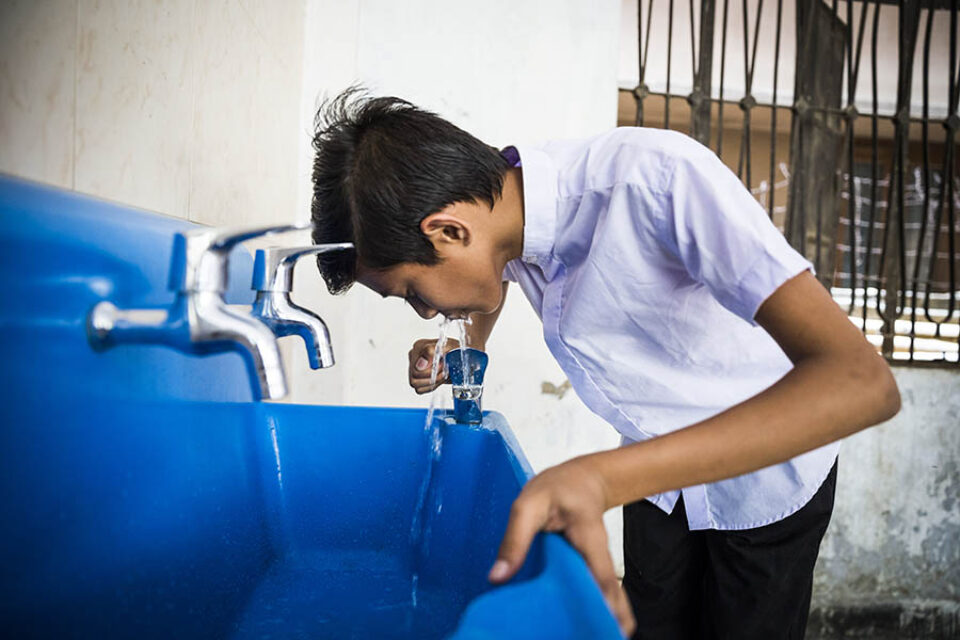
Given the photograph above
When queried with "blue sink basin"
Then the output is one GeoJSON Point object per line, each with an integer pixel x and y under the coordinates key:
{"type": "Point", "coordinates": [144, 494]}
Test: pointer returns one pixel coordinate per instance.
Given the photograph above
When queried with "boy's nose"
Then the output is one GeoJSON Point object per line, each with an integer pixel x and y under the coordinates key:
{"type": "Point", "coordinates": [425, 312]}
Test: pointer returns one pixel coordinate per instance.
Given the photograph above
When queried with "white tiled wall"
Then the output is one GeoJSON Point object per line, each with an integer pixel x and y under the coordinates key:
{"type": "Point", "coordinates": [245, 127]}
{"type": "Point", "coordinates": [186, 107]}
{"type": "Point", "coordinates": [135, 97]}
{"type": "Point", "coordinates": [38, 52]}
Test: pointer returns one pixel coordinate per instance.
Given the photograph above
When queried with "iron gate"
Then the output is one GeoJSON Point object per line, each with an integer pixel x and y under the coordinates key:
{"type": "Point", "coordinates": [864, 186]}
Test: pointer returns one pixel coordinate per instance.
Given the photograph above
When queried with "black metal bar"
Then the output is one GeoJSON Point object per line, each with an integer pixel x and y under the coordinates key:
{"type": "Point", "coordinates": [747, 103]}
{"type": "Point", "coordinates": [746, 80]}
{"type": "Point", "coordinates": [925, 191]}
{"type": "Point", "coordinates": [640, 92]}
{"type": "Point", "coordinates": [646, 42]}
{"type": "Point", "coordinates": [874, 177]}
{"type": "Point", "coordinates": [893, 270]}
{"type": "Point", "coordinates": [853, 82]}
{"type": "Point", "coordinates": [666, 111]}
{"type": "Point", "coordinates": [856, 66]}
{"type": "Point", "coordinates": [816, 139]}
{"type": "Point", "coordinates": [851, 123]}
{"type": "Point", "coordinates": [723, 69]}
{"type": "Point", "coordinates": [756, 37]}
{"type": "Point", "coordinates": [796, 224]}
{"type": "Point", "coordinates": [699, 98]}
{"type": "Point", "coordinates": [812, 109]}
{"type": "Point", "coordinates": [693, 44]}
{"type": "Point", "coordinates": [851, 115]}
{"type": "Point", "coordinates": [638, 118]}
{"type": "Point", "coordinates": [773, 114]}
{"type": "Point", "coordinates": [947, 194]}
{"type": "Point", "coordinates": [953, 123]}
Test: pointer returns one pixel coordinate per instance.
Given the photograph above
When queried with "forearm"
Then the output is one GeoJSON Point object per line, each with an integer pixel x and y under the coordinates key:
{"type": "Point", "coordinates": [481, 324]}
{"type": "Point", "coordinates": [821, 400]}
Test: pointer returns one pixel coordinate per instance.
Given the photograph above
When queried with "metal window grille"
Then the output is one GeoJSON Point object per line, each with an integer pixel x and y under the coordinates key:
{"type": "Point", "coordinates": [856, 163]}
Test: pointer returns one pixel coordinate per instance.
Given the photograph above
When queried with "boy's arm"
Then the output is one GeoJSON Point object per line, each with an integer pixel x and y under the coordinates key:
{"type": "Point", "coordinates": [839, 385]}
{"type": "Point", "coordinates": [421, 355]}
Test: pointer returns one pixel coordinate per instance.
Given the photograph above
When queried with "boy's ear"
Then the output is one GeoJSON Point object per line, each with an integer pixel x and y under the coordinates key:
{"type": "Point", "coordinates": [445, 228]}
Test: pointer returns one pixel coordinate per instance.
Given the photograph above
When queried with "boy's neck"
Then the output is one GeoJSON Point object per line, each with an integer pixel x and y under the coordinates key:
{"type": "Point", "coordinates": [509, 216]}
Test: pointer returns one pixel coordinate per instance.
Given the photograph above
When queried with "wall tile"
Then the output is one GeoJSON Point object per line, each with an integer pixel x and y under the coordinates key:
{"type": "Point", "coordinates": [37, 62]}
{"type": "Point", "coordinates": [134, 102]}
{"type": "Point", "coordinates": [244, 146]}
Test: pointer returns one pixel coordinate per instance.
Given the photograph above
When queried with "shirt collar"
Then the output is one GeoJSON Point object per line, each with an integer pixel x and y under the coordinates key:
{"type": "Point", "coordinates": [539, 204]}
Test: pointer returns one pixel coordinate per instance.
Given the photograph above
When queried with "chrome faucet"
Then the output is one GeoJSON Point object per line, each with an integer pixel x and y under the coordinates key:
{"type": "Point", "coordinates": [199, 320]}
{"type": "Point", "coordinates": [273, 281]}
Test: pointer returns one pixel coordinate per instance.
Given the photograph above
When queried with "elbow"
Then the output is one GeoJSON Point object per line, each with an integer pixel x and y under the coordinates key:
{"type": "Point", "coordinates": [892, 396]}
{"type": "Point", "coordinates": [885, 395]}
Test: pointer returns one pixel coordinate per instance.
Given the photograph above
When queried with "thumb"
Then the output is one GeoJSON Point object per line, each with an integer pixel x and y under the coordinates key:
{"type": "Point", "coordinates": [526, 520]}
{"type": "Point", "coordinates": [421, 363]}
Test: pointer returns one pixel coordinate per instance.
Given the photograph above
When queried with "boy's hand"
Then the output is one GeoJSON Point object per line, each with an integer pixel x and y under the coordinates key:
{"type": "Point", "coordinates": [421, 360]}
{"type": "Point", "coordinates": [569, 498]}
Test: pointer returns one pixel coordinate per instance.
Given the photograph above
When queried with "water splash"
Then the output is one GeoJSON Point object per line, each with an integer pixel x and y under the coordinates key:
{"type": "Point", "coordinates": [464, 366]}
{"type": "Point", "coordinates": [435, 448]}
{"type": "Point", "coordinates": [420, 527]}
{"type": "Point", "coordinates": [435, 369]}
{"type": "Point", "coordinates": [276, 450]}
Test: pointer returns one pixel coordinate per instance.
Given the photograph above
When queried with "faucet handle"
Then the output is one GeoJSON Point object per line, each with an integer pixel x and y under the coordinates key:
{"type": "Point", "coordinates": [200, 256]}
{"type": "Point", "coordinates": [273, 266]}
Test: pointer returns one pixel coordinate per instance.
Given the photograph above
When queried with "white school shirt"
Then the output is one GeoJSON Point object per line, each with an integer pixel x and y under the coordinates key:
{"type": "Point", "coordinates": [646, 259]}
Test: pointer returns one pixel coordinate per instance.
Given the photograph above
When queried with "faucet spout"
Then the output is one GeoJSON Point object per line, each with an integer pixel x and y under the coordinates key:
{"type": "Point", "coordinates": [273, 281]}
{"type": "Point", "coordinates": [218, 327]}
{"type": "Point", "coordinates": [276, 310]}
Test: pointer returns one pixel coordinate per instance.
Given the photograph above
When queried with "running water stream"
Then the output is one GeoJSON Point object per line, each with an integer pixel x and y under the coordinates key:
{"type": "Point", "coordinates": [419, 530]}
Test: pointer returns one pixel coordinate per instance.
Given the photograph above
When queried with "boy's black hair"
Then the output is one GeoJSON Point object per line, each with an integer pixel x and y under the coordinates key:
{"type": "Point", "coordinates": [382, 166]}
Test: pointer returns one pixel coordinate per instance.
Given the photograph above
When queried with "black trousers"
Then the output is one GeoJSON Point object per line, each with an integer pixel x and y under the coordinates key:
{"type": "Point", "coordinates": [753, 583]}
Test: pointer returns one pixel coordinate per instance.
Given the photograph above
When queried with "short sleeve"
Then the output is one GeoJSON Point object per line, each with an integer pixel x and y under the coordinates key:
{"type": "Point", "coordinates": [724, 237]}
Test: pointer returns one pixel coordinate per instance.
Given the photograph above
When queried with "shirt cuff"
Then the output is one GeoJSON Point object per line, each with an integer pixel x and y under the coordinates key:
{"type": "Point", "coordinates": [765, 276]}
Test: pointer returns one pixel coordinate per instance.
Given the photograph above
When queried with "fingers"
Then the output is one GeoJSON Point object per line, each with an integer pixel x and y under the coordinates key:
{"type": "Point", "coordinates": [528, 515]}
{"type": "Point", "coordinates": [590, 539]}
{"type": "Point", "coordinates": [623, 611]}
{"type": "Point", "coordinates": [420, 360]}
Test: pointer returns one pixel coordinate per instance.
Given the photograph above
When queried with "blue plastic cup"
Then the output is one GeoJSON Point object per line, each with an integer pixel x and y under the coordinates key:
{"type": "Point", "coordinates": [465, 368]}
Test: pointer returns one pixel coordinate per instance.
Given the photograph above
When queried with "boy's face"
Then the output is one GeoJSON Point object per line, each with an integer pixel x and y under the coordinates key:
{"type": "Point", "coordinates": [466, 280]}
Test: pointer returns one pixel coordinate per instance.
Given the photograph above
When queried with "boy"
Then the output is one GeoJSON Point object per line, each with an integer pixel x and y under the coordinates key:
{"type": "Point", "coordinates": [679, 314]}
